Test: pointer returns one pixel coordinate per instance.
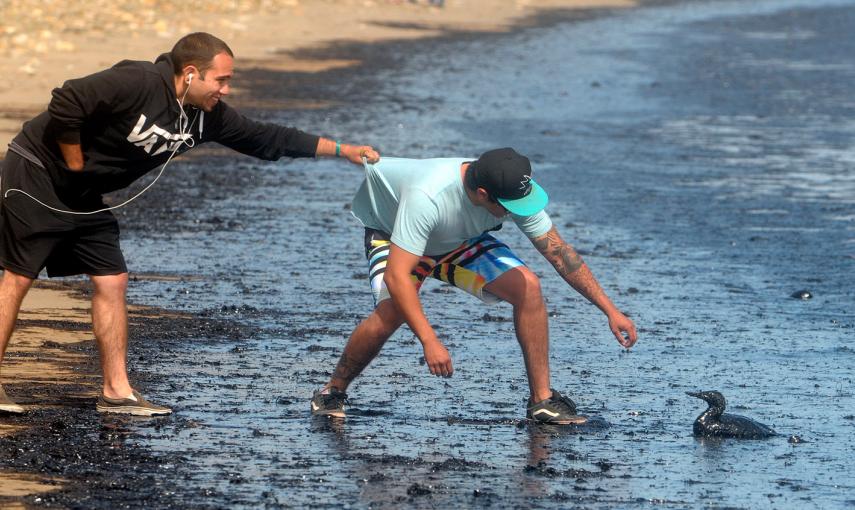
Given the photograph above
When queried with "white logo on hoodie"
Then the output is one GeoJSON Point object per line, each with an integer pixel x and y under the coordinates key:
{"type": "Point", "coordinates": [153, 136]}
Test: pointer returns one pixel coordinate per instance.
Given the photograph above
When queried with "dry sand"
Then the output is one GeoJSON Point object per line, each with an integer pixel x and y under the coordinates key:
{"type": "Point", "coordinates": [45, 42]}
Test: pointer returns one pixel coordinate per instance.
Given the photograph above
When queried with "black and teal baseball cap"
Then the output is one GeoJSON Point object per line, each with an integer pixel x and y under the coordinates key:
{"type": "Point", "coordinates": [506, 176]}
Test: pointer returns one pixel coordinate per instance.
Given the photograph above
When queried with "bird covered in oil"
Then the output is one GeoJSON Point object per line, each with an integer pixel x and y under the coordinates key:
{"type": "Point", "coordinates": [714, 422]}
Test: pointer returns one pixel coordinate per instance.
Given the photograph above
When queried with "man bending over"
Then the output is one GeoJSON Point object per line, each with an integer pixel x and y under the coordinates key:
{"type": "Point", "coordinates": [433, 218]}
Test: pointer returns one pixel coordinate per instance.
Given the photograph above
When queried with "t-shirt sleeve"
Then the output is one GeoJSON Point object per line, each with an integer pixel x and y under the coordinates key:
{"type": "Point", "coordinates": [535, 225]}
{"type": "Point", "coordinates": [415, 219]}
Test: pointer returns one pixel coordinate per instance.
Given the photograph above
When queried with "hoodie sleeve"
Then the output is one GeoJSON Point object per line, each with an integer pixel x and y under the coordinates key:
{"type": "Point", "coordinates": [101, 94]}
{"type": "Point", "coordinates": [260, 139]}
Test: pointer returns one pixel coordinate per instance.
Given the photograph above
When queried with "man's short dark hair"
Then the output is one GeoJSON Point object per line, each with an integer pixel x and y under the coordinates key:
{"type": "Point", "coordinates": [469, 178]}
{"type": "Point", "coordinates": [197, 49]}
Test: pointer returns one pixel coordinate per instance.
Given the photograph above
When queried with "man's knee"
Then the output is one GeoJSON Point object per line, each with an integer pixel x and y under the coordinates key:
{"type": "Point", "coordinates": [525, 287]}
{"type": "Point", "coordinates": [114, 285]}
{"type": "Point", "coordinates": [16, 282]}
{"type": "Point", "coordinates": [531, 284]}
{"type": "Point", "coordinates": [386, 319]}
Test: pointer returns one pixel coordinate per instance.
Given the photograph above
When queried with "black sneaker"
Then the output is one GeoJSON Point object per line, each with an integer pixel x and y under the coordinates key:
{"type": "Point", "coordinates": [556, 410]}
{"type": "Point", "coordinates": [135, 405]}
{"type": "Point", "coordinates": [329, 404]}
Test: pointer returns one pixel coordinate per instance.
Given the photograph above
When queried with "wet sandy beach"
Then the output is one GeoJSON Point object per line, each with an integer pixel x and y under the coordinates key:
{"type": "Point", "coordinates": [698, 155]}
{"type": "Point", "coordinates": [50, 362]}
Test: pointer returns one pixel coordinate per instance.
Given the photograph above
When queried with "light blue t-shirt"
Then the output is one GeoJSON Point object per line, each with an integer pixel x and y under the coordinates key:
{"type": "Point", "coordinates": [423, 205]}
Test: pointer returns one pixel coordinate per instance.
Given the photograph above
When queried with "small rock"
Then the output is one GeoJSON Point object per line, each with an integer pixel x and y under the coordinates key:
{"type": "Point", "coordinates": [796, 440]}
{"type": "Point", "coordinates": [418, 489]}
{"type": "Point", "coordinates": [493, 318]}
{"type": "Point", "coordinates": [801, 294]}
{"type": "Point", "coordinates": [603, 465]}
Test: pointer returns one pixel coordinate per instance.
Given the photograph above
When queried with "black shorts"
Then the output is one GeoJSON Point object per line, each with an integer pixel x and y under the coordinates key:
{"type": "Point", "coordinates": [33, 237]}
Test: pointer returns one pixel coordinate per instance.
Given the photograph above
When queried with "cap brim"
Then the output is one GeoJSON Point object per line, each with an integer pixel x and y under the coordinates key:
{"type": "Point", "coordinates": [530, 204]}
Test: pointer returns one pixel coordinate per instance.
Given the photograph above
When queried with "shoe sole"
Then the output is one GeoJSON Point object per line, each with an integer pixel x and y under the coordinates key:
{"type": "Point", "coordinates": [134, 411]}
{"type": "Point", "coordinates": [581, 420]}
{"type": "Point", "coordinates": [12, 408]}
{"type": "Point", "coordinates": [335, 413]}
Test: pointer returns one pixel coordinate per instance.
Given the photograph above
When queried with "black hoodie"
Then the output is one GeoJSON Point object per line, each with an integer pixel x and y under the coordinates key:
{"type": "Point", "coordinates": [126, 120]}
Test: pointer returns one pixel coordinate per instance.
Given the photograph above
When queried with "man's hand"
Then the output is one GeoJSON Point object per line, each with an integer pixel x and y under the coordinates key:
{"type": "Point", "coordinates": [404, 293]}
{"type": "Point", "coordinates": [437, 358]}
{"type": "Point", "coordinates": [73, 155]}
{"type": "Point", "coordinates": [623, 329]}
{"type": "Point", "coordinates": [355, 153]}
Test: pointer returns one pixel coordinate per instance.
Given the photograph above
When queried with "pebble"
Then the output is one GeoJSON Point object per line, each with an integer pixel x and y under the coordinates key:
{"type": "Point", "coordinates": [32, 27]}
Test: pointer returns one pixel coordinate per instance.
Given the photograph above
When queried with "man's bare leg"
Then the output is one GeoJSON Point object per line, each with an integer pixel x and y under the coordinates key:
{"type": "Point", "coordinates": [13, 288]}
{"type": "Point", "coordinates": [521, 288]}
{"type": "Point", "coordinates": [110, 323]}
{"type": "Point", "coordinates": [365, 343]}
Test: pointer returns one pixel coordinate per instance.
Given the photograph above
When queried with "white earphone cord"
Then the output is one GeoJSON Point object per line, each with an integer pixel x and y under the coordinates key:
{"type": "Point", "coordinates": [183, 130]}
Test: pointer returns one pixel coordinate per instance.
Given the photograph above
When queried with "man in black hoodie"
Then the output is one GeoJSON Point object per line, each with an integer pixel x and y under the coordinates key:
{"type": "Point", "coordinates": [99, 134]}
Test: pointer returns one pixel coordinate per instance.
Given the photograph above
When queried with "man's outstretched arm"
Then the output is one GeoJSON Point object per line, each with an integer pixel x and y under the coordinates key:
{"type": "Point", "coordinates": [399, 266]}
{"type": "Point", "coordinates": [270, 141]}
{"type": "Point", "coordinates": [573, 269]}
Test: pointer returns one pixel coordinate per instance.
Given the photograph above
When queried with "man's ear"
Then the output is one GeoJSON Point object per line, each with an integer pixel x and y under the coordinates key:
{"type": "Point", "coordinates": [190, 73]}
{"type": "Point", "coordinates": [482, 195]}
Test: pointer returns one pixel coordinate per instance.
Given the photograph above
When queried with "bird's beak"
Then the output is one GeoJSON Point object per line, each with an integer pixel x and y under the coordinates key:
{"type": "Point", "coordinates": [693, 394]}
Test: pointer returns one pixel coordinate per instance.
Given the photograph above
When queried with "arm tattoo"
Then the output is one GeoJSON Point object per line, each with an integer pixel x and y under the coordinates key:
{"type": "Point", "coordinates": [570, 266]}
{"type": "Point", "coordinates": [560, 254]}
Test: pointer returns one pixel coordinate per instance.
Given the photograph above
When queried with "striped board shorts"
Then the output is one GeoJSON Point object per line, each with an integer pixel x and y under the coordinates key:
{"type": "Point", "coordinates": [469, 267]}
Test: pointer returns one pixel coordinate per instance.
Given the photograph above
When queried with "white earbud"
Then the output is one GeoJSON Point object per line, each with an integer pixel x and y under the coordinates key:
{"type": "Point", "coordinates": [189, 78]}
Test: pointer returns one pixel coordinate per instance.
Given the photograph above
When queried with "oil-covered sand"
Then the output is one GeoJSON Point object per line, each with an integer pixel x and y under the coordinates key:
{"type": "Point", "coordinates": [698, 156]}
